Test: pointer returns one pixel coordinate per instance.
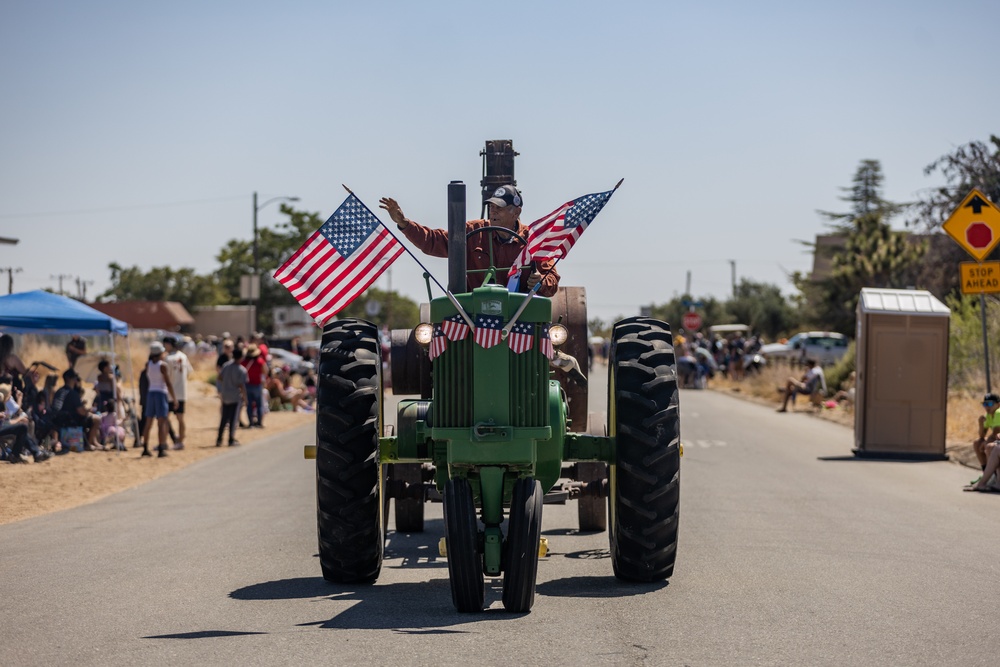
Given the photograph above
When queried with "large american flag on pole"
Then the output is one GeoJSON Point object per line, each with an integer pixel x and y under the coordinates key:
{"type": "Point", "coordinates": [551, 237]}
{"type": "Point", "coordinates": [339, 261]}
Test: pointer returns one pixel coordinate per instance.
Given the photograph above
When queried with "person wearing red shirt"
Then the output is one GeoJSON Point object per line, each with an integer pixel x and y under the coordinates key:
{"type": "Point", "coordinates": [256, 375]}
{"type": "Point", "coordinates": [505, 211]}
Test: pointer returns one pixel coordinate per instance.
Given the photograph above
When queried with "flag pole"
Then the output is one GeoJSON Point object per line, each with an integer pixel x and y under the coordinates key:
{"type": "Point", "coordinates": [451, 297]}
{"type": "Point", "coordinates": [534, 290]}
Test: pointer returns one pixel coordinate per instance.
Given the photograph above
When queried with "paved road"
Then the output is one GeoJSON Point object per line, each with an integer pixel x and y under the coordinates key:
{"type": "Point", "coordinates": [791, 553]}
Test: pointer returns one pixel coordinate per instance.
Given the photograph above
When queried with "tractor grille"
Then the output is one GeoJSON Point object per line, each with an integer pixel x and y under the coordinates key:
{"type": "Point", "coordinates": [453, 385]}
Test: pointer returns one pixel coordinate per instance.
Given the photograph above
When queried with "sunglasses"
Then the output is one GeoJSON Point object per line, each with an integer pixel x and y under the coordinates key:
{"type": "Point", "coordinates": [989, 404]}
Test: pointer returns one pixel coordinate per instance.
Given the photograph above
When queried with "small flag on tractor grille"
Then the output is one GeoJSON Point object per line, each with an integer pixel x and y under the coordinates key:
{"type": "Point", "coordinates": [339, 261]}
{"type": "Point", "coordinates": [551, 237]}
{"type": "Point", "coordinates": [545, 342]}
{"type": "Point", "coordinates": [488, 330]}
{"type": "Point", "coordinates": [439, 343]}
{"type": "Point", "coordinates": [455, 327]}
{"type": "Point", "coordinates": [521, 337]}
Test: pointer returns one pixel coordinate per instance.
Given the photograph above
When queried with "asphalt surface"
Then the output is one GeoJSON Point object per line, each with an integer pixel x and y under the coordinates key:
{"type": "Point", "coordinates": [791, 553]}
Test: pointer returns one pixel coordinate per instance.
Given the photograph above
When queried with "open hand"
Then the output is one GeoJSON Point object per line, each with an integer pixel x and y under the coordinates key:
{"type": "Point", "coordinates": [395, 212]}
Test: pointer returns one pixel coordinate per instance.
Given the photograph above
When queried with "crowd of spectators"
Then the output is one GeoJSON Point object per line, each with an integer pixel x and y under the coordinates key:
{"type": "Point", "coordinates": [700, 358]}
{"type": "Point", "coordinates": [39, 417]}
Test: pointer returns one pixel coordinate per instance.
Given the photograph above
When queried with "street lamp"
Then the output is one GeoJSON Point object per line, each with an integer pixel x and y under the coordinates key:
{"type": "Point", "coordinates": [252, 316]}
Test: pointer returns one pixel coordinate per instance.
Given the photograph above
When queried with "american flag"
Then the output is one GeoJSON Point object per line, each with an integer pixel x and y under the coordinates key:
{"type": "Point", "coordinates": [521, 337]}
{"type": "Point", "coordinates": [545, 342]}
{"type": "Point", "coordinates": [455, 327]}
{"type": "Point", "coordinates": [339, 261]}
{"type": "Point", "coordinates": [551, 237]}
{"type": "Point", "coordinates": [439, 343]}
{"type": "Point", "coordinates": [488, 330]}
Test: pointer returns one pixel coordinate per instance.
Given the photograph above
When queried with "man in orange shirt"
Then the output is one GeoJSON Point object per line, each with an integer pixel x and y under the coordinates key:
{"type": "Point", "coordinates": [504, 211]}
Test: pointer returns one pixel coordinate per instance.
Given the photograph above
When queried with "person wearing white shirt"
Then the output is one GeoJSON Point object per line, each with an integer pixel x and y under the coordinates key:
{"type": "Point", "coordinates": [179, 367]}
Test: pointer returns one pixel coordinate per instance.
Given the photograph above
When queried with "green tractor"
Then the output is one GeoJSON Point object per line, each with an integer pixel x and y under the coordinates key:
{"type": "Point", "coordinates": [490, 433]}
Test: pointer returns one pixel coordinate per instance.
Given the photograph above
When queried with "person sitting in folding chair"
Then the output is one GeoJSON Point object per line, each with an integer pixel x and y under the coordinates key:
{"type": "Point", "coordinates": [812, 384]}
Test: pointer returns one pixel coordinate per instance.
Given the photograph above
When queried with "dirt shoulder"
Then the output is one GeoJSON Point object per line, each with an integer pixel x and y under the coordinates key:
{"type": "Point", "coordinates": [958, 452]}
{"type": "Point", "coordinates": [71, 480]}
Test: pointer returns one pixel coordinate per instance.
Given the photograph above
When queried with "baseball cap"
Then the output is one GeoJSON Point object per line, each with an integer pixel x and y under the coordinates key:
{"type": "Point", "coordinates": [993, 398]}
{"type": "Point", "coordinates": [156, 347]}
{"type": "Point", "coordinates": [506, 196]}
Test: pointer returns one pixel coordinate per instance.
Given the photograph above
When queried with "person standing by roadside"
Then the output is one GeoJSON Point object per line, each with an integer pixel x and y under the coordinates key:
{"type": "Point", "coordinates": [75, 348]}
{"type": "Point", "coordinates": [232, 388]}
{"type": "Point", "coordinates": [179, 367]}
{"type": "Point", "coordinates": [159, 396]}
{"type": "Point", "coordinates": [256, 374]}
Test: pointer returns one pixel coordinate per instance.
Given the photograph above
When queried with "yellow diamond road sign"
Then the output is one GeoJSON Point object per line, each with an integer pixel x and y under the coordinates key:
{"type": "Point", "coordinates": [975, 225]}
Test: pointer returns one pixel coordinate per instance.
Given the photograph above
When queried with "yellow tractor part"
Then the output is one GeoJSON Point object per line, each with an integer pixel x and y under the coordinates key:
{"type": "Point", "coordinates": [543, 547]}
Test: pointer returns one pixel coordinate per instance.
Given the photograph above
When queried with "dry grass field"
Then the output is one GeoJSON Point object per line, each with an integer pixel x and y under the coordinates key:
{"type": "Point", "coordinates": [78, 478]}
{"type": "Point", "coordinates": [963, 408]}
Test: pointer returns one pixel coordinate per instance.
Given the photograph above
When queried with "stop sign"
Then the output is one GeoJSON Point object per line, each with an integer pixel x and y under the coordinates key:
{"type": "Point", "coordinates": [691, 321]}
{"type": "Point", "coordinates": [979, 235]}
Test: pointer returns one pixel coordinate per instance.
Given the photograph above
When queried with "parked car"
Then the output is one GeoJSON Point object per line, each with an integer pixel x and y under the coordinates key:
{"type": "Point", "coordinates": [826, 347]}
{"type": "Point", "coordinates": [295, 363]}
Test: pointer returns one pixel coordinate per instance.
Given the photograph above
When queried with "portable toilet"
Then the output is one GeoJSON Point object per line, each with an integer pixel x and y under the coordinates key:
{"type": "Point", "coordinates": [901, 400]}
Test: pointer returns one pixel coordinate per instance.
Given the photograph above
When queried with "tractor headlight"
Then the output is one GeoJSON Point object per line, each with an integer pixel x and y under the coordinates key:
{"type": "Point", "coordinates": [423, 333]}
{"type": "Point", "coordinates": [558, 334]}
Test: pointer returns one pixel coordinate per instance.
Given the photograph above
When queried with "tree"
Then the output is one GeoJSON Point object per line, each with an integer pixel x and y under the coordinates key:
{"type": "Point", "coordinates": [874, 255]}
{"type": "Point", "coordinates": [712, 311]}
{"type": "Point", "coordinates": [274, 246]}
{"type": "Point", "coordinates": [865, 198]}
{"type": "Point", "coordinates": [394, 310]}
{"type": "Point", "coordinates": [763, 308]}
{"type": "Point", "coordinates": [163, 283]}
{"type": "Point", "coordinates": [974, 165]}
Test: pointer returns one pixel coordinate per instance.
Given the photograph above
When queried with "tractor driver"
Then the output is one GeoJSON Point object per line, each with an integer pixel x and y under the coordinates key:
{"type": "Point", "coordinates": [504, 211]}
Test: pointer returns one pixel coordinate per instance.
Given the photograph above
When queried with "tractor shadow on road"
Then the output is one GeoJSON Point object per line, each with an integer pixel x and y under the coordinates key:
{"type": "Point", "coordinates": [406, 607]}
{"type": "Point", "coordinates": [597, 587]}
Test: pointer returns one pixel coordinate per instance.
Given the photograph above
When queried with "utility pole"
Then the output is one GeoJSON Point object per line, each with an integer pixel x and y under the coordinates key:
{"type": "Point", "coordinates": [687, 285]}
{"type": "Point", "coordinates": [81, 288]}
{"type": "Point", "coordinates": [60, 278]}
{"type": "Point", "coordinates": [732, 263]}
{"type": "Point", "coordinates": [10, 277]}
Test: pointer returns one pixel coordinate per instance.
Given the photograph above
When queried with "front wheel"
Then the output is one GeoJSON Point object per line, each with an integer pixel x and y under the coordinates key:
{"type": "Point", "coordinates": [461, 536]}
{"type": "Point", "coordinates": [644, 416]}
{"type": "Point", "coordinates": [524, 531]}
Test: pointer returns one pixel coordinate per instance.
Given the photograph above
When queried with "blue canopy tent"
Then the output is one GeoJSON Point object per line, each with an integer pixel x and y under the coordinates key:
{"type": "Point", "coordinates": [41, 312]}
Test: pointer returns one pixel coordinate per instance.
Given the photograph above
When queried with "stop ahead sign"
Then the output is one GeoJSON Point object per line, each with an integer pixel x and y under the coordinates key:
{"type": "Point", "coordinates": [691, 321]}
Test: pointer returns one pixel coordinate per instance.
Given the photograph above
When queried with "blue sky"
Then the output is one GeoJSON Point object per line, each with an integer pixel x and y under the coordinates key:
{"type": "Point", "coordinates": [137, 132]}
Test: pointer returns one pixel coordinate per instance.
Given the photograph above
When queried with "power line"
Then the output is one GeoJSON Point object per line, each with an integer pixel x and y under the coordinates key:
{"type": "Point", "coordinates": [112, 209]}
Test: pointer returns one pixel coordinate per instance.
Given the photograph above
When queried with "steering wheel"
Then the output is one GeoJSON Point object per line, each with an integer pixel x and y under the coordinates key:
{"type": "Point", "coordinates": [493, 228]}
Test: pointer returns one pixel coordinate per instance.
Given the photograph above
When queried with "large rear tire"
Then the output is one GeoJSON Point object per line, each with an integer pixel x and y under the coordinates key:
{"type": "Point", "coordinates": [644, 417]}
{"type": "Point", "coordinates": [461, 536]}
{"type": "Point", "coordinates": [348, 474]}
{"type": "Point", "coordinates": [409, 512]}
{"type": "Point", "coordinates": [524, 530]}
{"type": "Point", "coordinates": [592, 510]}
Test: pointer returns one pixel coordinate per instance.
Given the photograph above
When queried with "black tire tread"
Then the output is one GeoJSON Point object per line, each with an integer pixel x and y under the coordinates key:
{"type": "Point", "coordinates": [461, 534]}
{"type": "Point", "coordinates": [524, 529]}
{"type": "Point", "coordinates": [647, 471]}
{"type": "Point", "coordinates": [348, 493]}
